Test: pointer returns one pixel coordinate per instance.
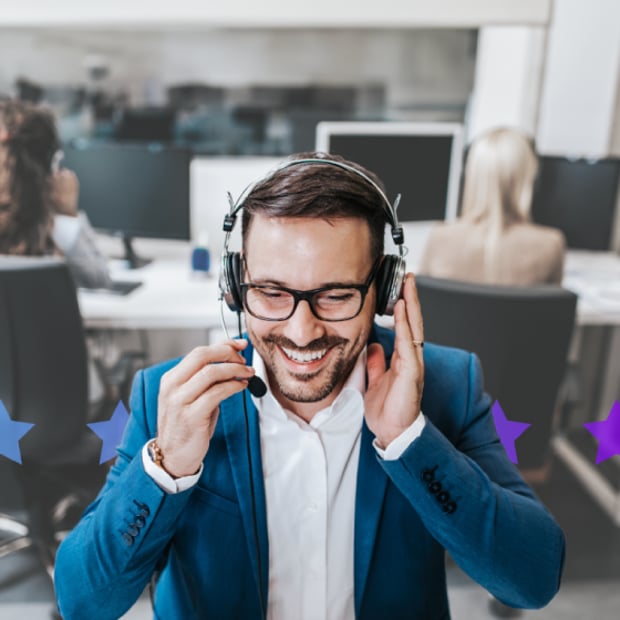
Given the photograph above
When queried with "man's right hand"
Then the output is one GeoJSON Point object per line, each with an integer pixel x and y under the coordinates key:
{"type": "Point", "coordinates": [189, 399]}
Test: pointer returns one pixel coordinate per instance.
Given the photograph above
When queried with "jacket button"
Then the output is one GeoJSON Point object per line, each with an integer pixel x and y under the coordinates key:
{"type": "Point", "coordinates": [144, 509]}
{"type": "Point", "coordinates": [140, 521]}
{"type": "Point", "coordinates": [133, 530]}
{"type": "Point", "coordinates": [434, 487]}
{"type": "Point", "coordinates": [428, 475]}
{"type": "Point", "coordinates": [449, 507]}
{"type": "Point", "coordinates": [128, 539]}
{"type": "Point", "coordinates": [443, 497]}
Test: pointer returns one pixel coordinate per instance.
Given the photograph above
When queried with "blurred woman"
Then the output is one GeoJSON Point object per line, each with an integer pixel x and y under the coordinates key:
{"type": "Point", "coordinates": [494, 241]}
{"type": "Point", "coordinates": [39, 202]}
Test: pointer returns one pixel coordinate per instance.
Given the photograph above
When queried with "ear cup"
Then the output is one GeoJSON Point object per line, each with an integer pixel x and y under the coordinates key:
{"type": "Point", "coordinates": [389, 280]}
{"type": "Point", "coordinates": [230, 281]}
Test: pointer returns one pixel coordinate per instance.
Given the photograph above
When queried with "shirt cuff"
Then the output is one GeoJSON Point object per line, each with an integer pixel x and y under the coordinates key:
{"type": "Point", "coordinates": [163, 479]}
{"type": "Point", "coordinates": [397, 446]}
{"type": "Point", "coordinates": [66, 231]}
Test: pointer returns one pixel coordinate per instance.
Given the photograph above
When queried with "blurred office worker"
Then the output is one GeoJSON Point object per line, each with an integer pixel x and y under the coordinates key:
{"type": "Point", "coordinates": [38, 201]}
{"type": "Point", "coordinates": [494, 241]}
{"type": "Point", "coordinates": [333, 491]}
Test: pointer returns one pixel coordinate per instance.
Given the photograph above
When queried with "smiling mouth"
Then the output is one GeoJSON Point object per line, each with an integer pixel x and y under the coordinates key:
{"type": "Point", "coordinates": [304, 358]}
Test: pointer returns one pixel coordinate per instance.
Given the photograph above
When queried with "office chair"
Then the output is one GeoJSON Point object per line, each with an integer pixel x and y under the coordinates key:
{"type": "Point", "coordinates": [44, 381]}
{"type": "Point", "coordinates": [522, 336]}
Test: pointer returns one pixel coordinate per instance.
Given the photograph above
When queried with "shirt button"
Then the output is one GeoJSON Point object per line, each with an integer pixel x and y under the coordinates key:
{"type": "Point", "coordinates": [313, 507]}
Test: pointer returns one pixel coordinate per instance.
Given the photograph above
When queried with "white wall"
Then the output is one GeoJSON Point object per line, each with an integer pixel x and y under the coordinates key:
{"type": "Point", "coordinates": [508, 77]}
{"type": "Point", "coordinates": [326, 13]}
{"type": "Point", "coordinates": [581, 78]}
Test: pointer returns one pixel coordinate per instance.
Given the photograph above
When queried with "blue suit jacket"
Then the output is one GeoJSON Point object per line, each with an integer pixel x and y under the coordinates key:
{"type": "Point", "coordinates": [453, 488]}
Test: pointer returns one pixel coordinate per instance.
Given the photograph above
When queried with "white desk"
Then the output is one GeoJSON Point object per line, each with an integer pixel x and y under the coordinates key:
{"type": "Point", "coordinates": [171, 297]}
{"type": "Point", "coordinates": [595, 277]}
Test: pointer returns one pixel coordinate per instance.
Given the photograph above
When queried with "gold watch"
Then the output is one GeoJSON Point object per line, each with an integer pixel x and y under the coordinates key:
{"type": "Point", "coordinates": [155, 453]}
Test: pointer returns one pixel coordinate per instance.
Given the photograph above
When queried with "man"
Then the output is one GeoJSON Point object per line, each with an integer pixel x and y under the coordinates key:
{"type": "Point", "coordinates": [338, 492]}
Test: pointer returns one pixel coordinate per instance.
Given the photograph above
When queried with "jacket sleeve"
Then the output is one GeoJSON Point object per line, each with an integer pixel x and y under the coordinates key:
{"type": "Point", "coordinates": [474, 502]}
{"type": "Point", "coordinates": [105, 563]}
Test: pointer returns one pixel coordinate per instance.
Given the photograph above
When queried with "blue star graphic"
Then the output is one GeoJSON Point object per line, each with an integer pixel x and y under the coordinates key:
{"type": "Point", "coordinates": [508, 431]}
{"type": "Point", "coordinates": [608, 434]}
{"type": "Point", "coordinates": [10, 434]}
{"type": "Point", "coordinates": [111, 431]}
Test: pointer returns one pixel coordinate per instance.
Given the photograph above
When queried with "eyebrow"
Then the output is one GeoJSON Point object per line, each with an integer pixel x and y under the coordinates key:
{"type": "Point", "coordinates": [281, 284]}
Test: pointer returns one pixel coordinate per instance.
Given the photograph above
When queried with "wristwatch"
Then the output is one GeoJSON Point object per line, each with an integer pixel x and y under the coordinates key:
{"type": "Point", "coordinates": [155, 453]}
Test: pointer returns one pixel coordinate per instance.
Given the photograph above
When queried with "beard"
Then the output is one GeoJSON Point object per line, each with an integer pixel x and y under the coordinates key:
{"type": "Point", "coordinates": [313, 386]}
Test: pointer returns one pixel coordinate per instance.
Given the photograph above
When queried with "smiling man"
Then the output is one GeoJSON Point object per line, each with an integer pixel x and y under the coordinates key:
{"type": "Point", "coordinates": [335, 492]}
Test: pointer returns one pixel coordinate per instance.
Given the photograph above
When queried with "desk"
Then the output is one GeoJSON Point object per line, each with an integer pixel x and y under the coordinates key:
{"type": "Point", "coordinates": [595, 277]}
{"type": "Point", "coordinates": [172, 297]}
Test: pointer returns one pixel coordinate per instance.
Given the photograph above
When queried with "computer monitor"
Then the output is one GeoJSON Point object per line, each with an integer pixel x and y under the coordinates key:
{"type": "Point", "coordinates": [420, 161]}
{"type": "Point", "coordinates": [133, 190]}
{"type": "Point", "coordinates": [146, 124]}
{"type": "Point", "coordinates": [578, 196]}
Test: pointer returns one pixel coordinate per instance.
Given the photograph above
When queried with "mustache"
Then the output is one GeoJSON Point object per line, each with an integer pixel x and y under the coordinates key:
{"type": "Point", "coordinates": [325, 342]}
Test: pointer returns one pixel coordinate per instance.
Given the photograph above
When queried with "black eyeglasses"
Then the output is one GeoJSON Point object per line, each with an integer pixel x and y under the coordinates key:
{"type": "Point", "coordinates": [329, 303]}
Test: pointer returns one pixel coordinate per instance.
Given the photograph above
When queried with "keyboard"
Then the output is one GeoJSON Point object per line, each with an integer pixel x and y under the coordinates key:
{"type": "Point", "coordinates": [117, 287]}
{"type": "Point", "coordinates": [120, 287]}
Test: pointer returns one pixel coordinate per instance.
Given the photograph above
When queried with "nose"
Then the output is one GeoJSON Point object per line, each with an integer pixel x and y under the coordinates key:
{"type": "Point", "coordinates": [303, 327]}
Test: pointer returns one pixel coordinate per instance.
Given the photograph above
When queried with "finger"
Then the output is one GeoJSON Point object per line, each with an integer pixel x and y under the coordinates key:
{"type": "Point", "coordinates": [210, 400]}
{"type": "Point", "coordinates": [414, 310]}
{"type": "Point", "coordinates": [210, 375]}
{"type": "Point", "coordinates": [375, 363]}
{"type": "Point", "coordinates": [403, 344]}
{"type": "Point", "coordinates": [199, 357]}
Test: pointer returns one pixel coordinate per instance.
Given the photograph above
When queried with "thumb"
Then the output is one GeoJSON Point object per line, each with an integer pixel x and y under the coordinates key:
{"type": "Point", "coordinates": [375, 363]}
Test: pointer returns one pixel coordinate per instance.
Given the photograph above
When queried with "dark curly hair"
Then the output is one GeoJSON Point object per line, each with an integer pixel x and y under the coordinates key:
{"type": "Point", "coordinates": [31, 140]}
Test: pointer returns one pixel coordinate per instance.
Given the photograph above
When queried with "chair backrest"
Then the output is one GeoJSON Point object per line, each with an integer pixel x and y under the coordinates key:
{"type": "Point", "coordinates": [521, 335]}
{"type": "Point", "coordinates": [43, 360]}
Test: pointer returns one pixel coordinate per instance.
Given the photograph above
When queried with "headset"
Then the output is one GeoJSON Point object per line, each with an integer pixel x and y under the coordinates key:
{"type": "Point", "coordinates": [391, 273]}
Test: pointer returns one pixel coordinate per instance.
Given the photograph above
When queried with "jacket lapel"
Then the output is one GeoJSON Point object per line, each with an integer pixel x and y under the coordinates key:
{"type": "Point", "coordinates": [237, 438]}
{"type": "Point", "coordinates": [370, 492]}
{"type": "Point", "coordinates": [369, 497]}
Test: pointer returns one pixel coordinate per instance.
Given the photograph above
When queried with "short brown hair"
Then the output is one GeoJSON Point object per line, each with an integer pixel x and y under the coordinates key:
{"type": "Point", "coordinates": [319, 190]}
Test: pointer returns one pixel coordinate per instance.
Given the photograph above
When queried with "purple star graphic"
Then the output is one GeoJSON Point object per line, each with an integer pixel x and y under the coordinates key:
{"type": "Point", "coordinates": [608, 434]}
{"type": "Point", "coordinates": [111, 431]}
{"type": "Point", "coordinates": [10, 433]}
{"type": "Point", "coordinates": [508, 431]}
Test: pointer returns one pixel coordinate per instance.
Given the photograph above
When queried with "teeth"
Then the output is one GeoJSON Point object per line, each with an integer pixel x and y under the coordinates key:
{"type": "Point", "coordinates": [297, 356]}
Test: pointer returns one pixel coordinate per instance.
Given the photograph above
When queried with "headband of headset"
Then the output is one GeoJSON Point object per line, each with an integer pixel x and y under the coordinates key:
{"type": "Point", "coordinates": [390, 210]}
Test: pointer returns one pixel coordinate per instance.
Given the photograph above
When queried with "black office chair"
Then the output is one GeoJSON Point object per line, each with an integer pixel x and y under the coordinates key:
{"type": "Point", "coordinates": [44, 381]}
{"type": "Point", "coordinates": [522, 336]}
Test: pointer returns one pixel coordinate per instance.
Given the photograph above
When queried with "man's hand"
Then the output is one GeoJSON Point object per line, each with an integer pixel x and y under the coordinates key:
{"type": "Point", "coordinates": [64, 191]}
{"type": "Point", "coordinates": [393, 396]}
{"type": "Point", "coordinates": [189, 399]}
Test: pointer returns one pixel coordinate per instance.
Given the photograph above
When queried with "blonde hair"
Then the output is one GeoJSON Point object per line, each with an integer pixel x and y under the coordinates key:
{"type": "Point", "coordinates": [499, 178]}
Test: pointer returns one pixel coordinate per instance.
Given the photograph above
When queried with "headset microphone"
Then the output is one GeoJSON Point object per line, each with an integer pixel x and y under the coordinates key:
{"type": "Point", "coordinates": [257, 387]}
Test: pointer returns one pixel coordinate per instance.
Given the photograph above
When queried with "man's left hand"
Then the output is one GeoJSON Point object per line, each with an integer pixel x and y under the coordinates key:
{"type": "Point", "coordinates": [393, 396]}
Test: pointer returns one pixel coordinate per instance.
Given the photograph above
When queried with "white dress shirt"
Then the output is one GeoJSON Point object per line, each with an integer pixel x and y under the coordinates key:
{"type": "Point", "coordinates": [310, 477]}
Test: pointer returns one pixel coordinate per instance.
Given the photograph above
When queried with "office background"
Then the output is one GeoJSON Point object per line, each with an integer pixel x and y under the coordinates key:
{"type": "Point", "coordinates": [248, 82]}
